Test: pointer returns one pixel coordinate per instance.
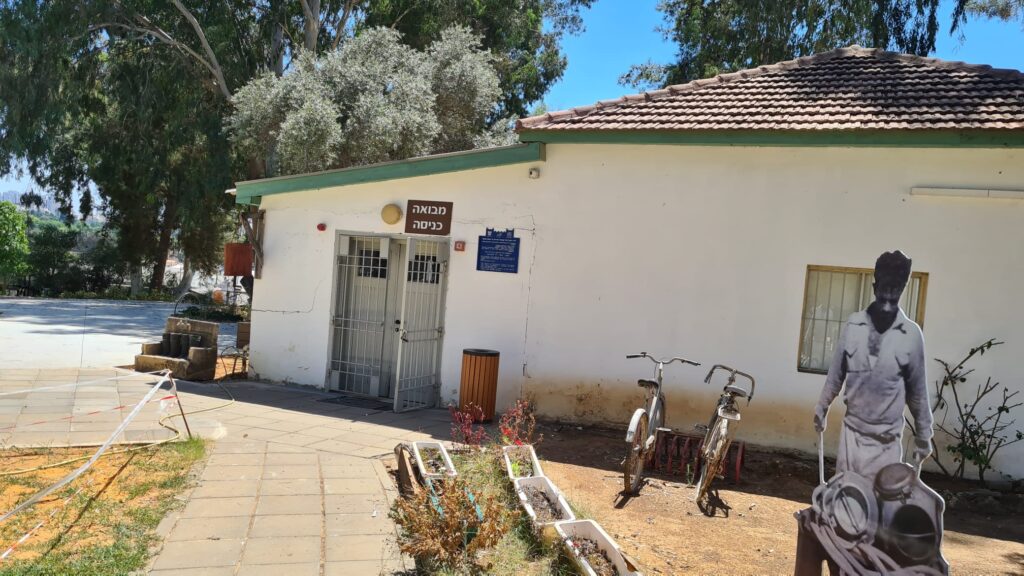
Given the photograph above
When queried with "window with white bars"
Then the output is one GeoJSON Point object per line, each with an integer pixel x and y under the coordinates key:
{"type": "Point", "coordinates": [424, 268]}
{"type": "Point", "coordinates": [371, 265]}
{"type": "Point", "coordinates": [831, 294]}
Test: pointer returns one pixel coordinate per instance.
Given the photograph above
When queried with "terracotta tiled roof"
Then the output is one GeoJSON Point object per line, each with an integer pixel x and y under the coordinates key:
{"type": "Point", "coordinates": [847, 89]}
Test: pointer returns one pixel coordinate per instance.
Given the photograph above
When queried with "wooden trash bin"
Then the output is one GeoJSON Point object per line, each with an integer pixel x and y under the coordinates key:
{"type": "Point", "coordinates": [242, 335]}
{"type": "Point", "coordinates": [479, 384]}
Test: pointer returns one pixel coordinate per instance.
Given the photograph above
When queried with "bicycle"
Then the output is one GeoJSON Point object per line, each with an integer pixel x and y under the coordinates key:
{"type": "Point", "coordinates": [719, 432]}
{"type": "Point", "coordinates": [643, 427]}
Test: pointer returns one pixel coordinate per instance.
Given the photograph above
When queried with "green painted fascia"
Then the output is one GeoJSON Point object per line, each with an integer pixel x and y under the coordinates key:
{"type": "Point", "coordinates": [247, 192]}
{"type": "Point", "coordinates": [248, 200]}
{"type": "Point", "coordinates": [807, 138]}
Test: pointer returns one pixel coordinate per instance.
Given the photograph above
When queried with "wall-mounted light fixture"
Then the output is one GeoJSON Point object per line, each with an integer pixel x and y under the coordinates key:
{"type": "Point", "coordinates": [321, 226]}
{"type": "Point", "coordinates": [391, 214]}
{"type": "Point", "coordinates": [968, 193]}
{"type": "Point", "coordinates": [534, 173]}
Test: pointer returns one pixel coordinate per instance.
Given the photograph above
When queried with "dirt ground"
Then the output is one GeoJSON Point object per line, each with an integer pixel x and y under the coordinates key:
{"type": "Point", "coordinates": [17, 488]}
{"type": "Point", "coordinates": [230, 367]}
{"type": "Point", "coordinates": [133, 484]}
{"type": "Point", "coordinates": [665, 531]}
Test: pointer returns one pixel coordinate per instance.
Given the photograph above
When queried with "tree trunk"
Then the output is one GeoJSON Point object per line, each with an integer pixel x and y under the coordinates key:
{"type": "Point", "coordinates": [277, 50]}
{"type": "Point", "coordinates": [163, 247]}
{"type": "Point", "coordinates": [186, 279]}
{"type": "Point", "coordinates": [136, 279]}
{"type": "Point", "coordinates": [311, 8]}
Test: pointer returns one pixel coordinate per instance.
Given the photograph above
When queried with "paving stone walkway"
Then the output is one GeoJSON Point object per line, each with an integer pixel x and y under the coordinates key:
{"type": "Point", "coordinates": [293, 485]}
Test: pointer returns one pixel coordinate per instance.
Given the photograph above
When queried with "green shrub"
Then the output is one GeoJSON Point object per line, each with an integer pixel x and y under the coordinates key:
{"type": "Point", "coordinates": [219, 313]}
{"type": "Point", "coordinates": [13, 242]}
{"type": "Point", "coordinates": [119, 293]}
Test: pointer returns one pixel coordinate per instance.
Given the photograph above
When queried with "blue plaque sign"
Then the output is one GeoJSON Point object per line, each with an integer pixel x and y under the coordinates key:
{"type": "Point", "coordinates": [498, 251]}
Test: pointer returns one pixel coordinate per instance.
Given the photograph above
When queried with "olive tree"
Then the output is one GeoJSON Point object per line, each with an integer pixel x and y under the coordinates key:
{"type": "Point", "coordinates": [374, 99]}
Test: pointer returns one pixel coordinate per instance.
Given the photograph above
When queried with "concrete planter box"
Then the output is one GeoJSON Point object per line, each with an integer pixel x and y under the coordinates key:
{"type": "Point", "coordinates": [545, 529]}
{"type": "Point", "coordinates": [188, 349]}
{"type": "Point", "coordinates": [507, 451]}
{"type": "Point", "coordinates": [417, 447]}
{"type": "Point", "coordinates": [571, 530]}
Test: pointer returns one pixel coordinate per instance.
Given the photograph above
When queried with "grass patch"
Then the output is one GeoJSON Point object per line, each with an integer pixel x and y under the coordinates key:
{"type": "Point", "coordinates": [518, 551]}
{"type": "Point", "coordinates": [108, 527]}
{"type": "Point", "coordinates": [580, 510]}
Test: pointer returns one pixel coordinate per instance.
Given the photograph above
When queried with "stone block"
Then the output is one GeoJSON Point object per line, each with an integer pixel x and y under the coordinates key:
{"type": "Point", "coordinates": [152, 348]}
{"type": "Point", "coordinates": [207, 330]}
{"type": "Point", "coordinates": [151, 363]}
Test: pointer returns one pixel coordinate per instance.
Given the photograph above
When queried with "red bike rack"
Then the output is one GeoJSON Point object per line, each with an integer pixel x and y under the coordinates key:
{"type": "Point", "coordinates": [674, 451]}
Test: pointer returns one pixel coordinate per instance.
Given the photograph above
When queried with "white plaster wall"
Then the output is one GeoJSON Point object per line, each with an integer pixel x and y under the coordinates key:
{"type": "Point", "coordinates": [699, 251]}
{"type": "Point", "coordinates": [292, 309]}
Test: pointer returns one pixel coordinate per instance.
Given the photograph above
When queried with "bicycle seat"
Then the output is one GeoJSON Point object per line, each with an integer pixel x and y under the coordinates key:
{"type": "Point", "coordinates": [646, 382]}
{"type": "Point", "coordinates": [736, 391]}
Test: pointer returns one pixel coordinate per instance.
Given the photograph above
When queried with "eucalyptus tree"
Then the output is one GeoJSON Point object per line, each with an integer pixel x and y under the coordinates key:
{"type": "Point", "coordinates": [129, 96]}
{"type": "Point", "coordinates": [163, 178]}
{"type": "Point", "coordinates": [1006, 10]}
{"type": "Point", "coordinates": [90, 104]}
{"type": "Point", "coordinates": [717, 36]}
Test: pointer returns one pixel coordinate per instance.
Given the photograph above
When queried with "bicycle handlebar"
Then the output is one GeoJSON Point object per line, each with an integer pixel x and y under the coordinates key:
{"type": "Point", "coordinates": [663, 360]}
{"type": "Point", "coordinates": [733, 373]}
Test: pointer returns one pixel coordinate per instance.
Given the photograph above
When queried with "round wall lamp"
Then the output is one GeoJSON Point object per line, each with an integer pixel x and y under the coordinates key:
{"type": "Point", "coordinates": [391, 214]}
{"type": "Point", "coordinates": [321, 226]}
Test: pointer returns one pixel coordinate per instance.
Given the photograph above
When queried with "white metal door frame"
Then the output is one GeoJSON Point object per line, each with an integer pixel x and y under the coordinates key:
{"type": "Point", "coordinates": [421, 324]}
{"type": "Point", "coordinates": [410, 350]}
{"type": "Point", "coordinates": [358, 317]}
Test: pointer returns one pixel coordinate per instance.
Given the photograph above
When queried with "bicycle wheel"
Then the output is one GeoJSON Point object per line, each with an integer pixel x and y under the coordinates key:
{"type": "Point", "coordinates": [716, 444]}
{"type": "Point", "coordinates": [633, 466]}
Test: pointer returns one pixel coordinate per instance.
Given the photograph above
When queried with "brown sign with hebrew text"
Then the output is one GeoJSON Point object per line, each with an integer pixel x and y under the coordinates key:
{"type": "Point", "coordinates": [428, 217]}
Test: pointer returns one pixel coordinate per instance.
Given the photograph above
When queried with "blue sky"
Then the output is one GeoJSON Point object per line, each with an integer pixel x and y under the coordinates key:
{"type": "Point", "coordinates": [620, 33]}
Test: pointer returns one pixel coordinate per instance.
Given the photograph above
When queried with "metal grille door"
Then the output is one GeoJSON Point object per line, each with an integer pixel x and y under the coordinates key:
{"type": "Point", "coordinates": [421, 324]}
{"type": "Point", "coordinates": [362, 345]}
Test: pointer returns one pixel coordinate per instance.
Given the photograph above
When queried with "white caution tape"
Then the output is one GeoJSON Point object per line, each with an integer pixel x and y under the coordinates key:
{"type": "Point", "coordinates": [40, 524]}
{"type": "Point", "coordinates": [76, 384]}
{"type": "Point", "coordinates": [81, 469]}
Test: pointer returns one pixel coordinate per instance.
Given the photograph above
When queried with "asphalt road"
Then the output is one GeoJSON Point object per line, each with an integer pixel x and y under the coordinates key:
{"type": "Point", "coordinates": [53, 333]}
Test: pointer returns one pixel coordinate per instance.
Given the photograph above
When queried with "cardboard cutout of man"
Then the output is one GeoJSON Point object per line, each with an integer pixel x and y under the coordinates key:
{"type": "Point", "coordinates": [880, 358]}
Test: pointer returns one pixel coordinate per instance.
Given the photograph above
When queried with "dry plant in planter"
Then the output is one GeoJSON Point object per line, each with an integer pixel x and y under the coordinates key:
{"type": "Point", "coordinates": [542, 501]}
{"type": "Point", "coordinates": [595, 557]}
{"type": "Point", "coordinates": [594, 550]}
{"type": "Point", "coordinates": [546, 510]}
{"type": "Point", "coordinates": [521, 461]}
{"type": "Point", "coordinates": [432, 459]}
{"type": "Point", "coordinates": [444, 530]}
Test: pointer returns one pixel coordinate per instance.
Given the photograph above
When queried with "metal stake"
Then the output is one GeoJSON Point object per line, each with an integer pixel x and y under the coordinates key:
{"type": "Point", "coordinates": [177, 398]}
{"type": "Point", "coordinates": [821, 457]}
